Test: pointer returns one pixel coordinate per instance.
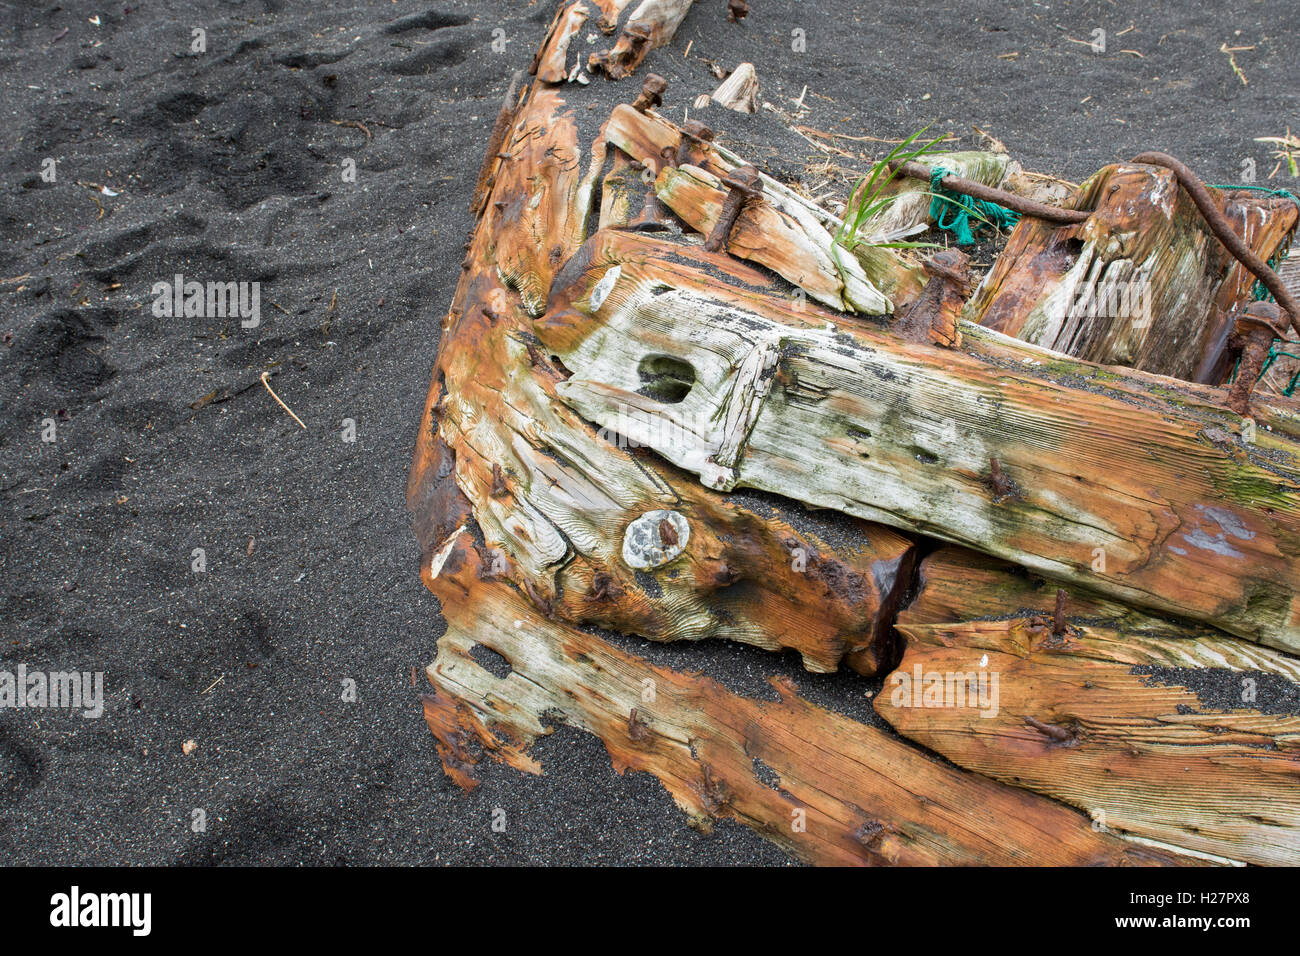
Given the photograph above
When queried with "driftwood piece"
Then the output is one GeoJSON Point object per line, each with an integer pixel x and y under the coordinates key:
{"type": "Point", "coordinates": [739, 91]}
{"type": "Point", "coordinates": [652, 24]}
{"type": "Point", "coordinates": [1136, 284]}
{"type": "Point", "coordinates": [856, 420]}
{"type": "Point", "coordinates": [827, 788]}
{"type": "Point", "coordinates": [550, 65]}
{"type": "Point", "coordinates": [581, 372]}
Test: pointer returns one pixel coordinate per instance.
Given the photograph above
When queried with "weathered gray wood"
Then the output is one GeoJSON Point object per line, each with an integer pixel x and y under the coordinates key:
{"type": "Point", "coordinates": [1140, 495]}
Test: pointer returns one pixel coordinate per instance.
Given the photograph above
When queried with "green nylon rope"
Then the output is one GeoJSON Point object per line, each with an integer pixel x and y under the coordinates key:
{"type": "Point", "coordinates": [951, 211]}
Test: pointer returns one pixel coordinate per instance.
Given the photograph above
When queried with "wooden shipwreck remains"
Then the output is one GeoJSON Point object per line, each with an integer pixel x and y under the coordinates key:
{"type": "Point", "coordinates": [671, 403]}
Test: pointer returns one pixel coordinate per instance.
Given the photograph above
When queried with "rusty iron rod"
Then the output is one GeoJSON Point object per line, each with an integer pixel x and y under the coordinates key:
{"type": "Point", "coordinates": [1187, 179]}
{"type": "Point", "coordinates": [968, 187]}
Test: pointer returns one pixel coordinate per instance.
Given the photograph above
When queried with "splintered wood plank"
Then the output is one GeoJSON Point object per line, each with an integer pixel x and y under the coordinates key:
{"type": "Point", "coordinates": [1184, 517]}
{"type": "Point", "coordinates": [542, 191]}
{"type": "Point", "coordinates": [651, 25]}
{"type": "Point", "coordinates": [1265, 224]}
{"type": "Point", "coordinates": [1193, 743]}
{"type": "Point", "coordinates": [1136, 284]}
{"type": "Point", "coordinates": [550, 65]}
{"type": "Point", "coordinates": [765, 235]}
{"type": "Point", "coordinates": [871, 279]}
{"type": "Point", "coordinates": [956, 584]}
{"type": "Point", "coordinates": [826, 788]}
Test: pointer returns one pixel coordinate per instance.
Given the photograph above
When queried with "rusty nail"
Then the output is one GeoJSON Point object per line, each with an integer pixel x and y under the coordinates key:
{"type": "Point", "coordinates": [602, 587]}
{"type": "Point", "coordinates": [1059, 734]}
{"type": "Point", "coordinates": [1002, 486]}
{"type": "Point", "coordinates": [693, 132]}
{"type": "Point", "coordinates": [744, 184]}
{"type": "Point", "coordinates": [1254, 334]}
{"type": "Point", "coordinates": [1058, 619]}
{"type": "Point", "coordinates": [499, 489]}
{"type": "Point", "coordinates": [667, 533]}
{"type": "Point", "coordinates": [652, 92]}
{"type": "Point", "coordinates": [637, 726]}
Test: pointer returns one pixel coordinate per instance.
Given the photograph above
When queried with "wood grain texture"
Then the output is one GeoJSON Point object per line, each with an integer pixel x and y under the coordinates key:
{"type": "Point", "coordinates": [1194, 743]}
{"type": "Point", "coordinates": [826, 788]}
{"type": "Point", "coordinates": [586, 382]}
{"type": "Point", "coordinates": [1139, 284]}
{"type": "Point", "coordinates": [554, 496]}
{"type": "Point", "coordinates": [1184, 517]}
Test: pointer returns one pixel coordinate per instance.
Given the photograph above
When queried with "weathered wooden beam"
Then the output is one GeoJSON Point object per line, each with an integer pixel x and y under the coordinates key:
{"type": "Point", "coordinates": [827, 788]}
{"type": "Point", "coordinates": [545, 515]}
{"type": "Point", "coordinates": [1139, 493]}
{"type": "Point", "coordinates": [1171, 729]}
{"type": "Point", "coordinates": [1193, 743]}
{"type": "Point", "coordinates": [956, 585]}
{"type": "Point", "coordinates": [1139, 283]}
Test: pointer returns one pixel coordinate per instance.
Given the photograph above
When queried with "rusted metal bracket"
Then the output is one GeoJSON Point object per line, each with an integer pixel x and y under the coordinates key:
{"type": "Point", "coordinates": [1253, 335]}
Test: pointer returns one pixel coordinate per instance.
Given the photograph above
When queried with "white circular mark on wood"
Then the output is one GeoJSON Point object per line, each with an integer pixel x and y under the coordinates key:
{"type": "Point", "coordinates": [654, 539]}
{"type": "Point", "coordinates": [604, 287]}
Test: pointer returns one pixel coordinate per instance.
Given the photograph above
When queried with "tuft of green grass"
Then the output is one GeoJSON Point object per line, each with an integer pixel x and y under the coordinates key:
{"type": "Point", "coordinates": [868, 200]}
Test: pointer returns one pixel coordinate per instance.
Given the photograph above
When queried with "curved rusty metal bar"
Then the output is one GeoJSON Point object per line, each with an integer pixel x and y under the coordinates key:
{"type": "Point", "coordinates": [1223, 231]}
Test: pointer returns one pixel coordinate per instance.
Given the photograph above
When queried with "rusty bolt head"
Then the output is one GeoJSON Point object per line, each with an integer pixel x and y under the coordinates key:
{"type": "Point", "coordinates": [652, 92]}
{"type": "Point", "coordinates": [950, 264]}
{"type": "Point", "coordinates": [744, 180]}
{"type": "Point", "coordinates": [1262, 316]}
{"type": "Point", "coordinates": [697, 131]}
{"type": "Point", "coordinates": [693, 132]}
{"type": "Point", "coordinates": [744, 184]}
{"type": "Point", "coordinates": [654, 539]}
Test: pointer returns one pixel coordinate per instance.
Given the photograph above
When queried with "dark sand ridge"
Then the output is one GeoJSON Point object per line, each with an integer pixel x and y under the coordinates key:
{"type": "Point", "coordinates": [227, 166]}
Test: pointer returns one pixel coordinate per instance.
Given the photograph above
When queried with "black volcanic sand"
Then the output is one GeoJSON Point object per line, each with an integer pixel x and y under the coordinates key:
{"type": "Point", "coordinates": [227, 166]}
